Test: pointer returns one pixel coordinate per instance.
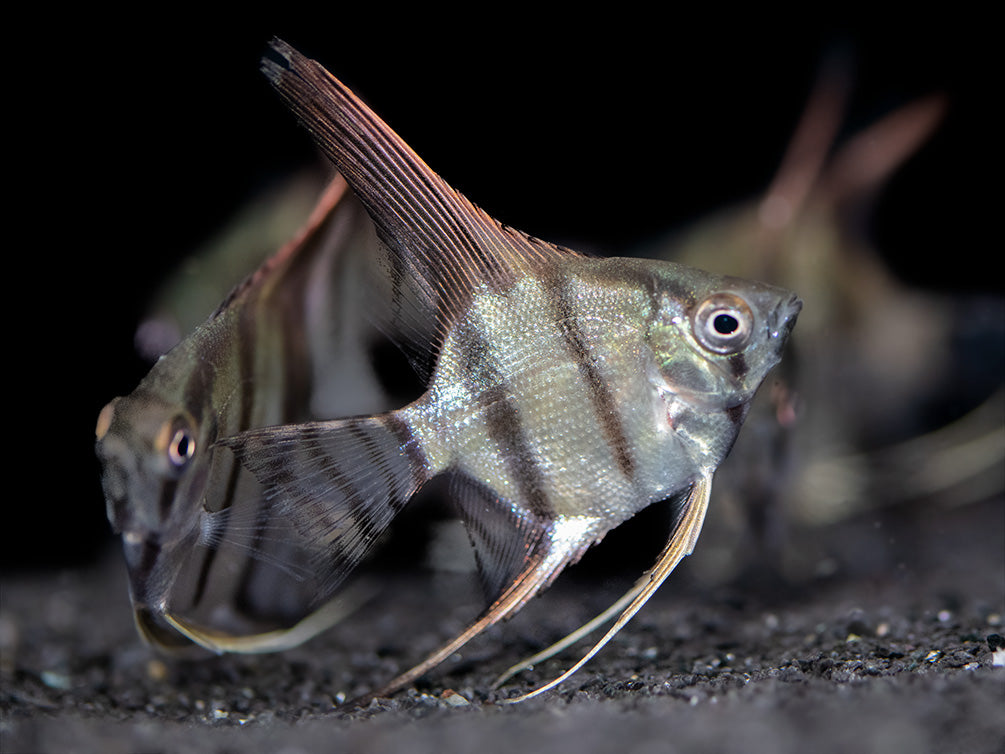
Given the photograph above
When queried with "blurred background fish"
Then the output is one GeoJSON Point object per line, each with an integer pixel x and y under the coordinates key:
{"type": "Point", "coordinates": [287, 344]}
{"type": "Point", "coordinates": [195, 287]}
{"type": "Point", "coordinates": [886, 398]}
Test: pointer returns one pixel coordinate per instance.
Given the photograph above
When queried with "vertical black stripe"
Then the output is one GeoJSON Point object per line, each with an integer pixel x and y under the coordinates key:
{"type": "Point", "coordinates": [197, 397]}
{"type": "Point", "coordinates": [288, 300]}
{"type": "Point", "coordinates": [604, 406]}
{"type": "Point", "coordinates": [166, 503]}
{"type": "Point", "coordinates": [243, 342]}
{"type": "Point", "coordinates": [278, 312]}
{"type": "Point", "coordinates": [738, 364]}
{"type": "Point", "coordinates": [738, 413]}
{"type": "Point", "coordinates": [502, 419]}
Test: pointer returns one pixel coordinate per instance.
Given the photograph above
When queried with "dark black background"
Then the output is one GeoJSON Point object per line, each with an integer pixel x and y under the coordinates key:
{"type": "Point", "coordinates": [133, 139]}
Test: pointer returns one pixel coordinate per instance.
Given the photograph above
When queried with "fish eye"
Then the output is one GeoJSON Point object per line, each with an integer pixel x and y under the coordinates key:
{"type": "Point", "coordinates": [181, 448]}
{"type": "Point", "coordinates": [105, 420]}
{"type": "Point", "coordinates": [723, 323]}
{"type": "Point", "coordinates": [177, 442]}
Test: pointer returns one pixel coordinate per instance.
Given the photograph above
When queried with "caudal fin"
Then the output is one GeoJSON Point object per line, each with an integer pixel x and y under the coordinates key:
{"type": "Point", "coordinates": [340, 483]}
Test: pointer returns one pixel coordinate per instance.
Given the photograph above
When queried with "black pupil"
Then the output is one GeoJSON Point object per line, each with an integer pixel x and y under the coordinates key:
{"type": "Point", "coordinates": [725, 324]}
{"type": "Point", "coordinates": [181, 446]}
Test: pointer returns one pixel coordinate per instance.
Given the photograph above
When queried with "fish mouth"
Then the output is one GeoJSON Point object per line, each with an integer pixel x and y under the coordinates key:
{"type": "Point", "coordinates": [794, 306]}
{"type": "Point", "coordinates": [783, 319]}
{"type": "Point", "coordinates": [148, 582]}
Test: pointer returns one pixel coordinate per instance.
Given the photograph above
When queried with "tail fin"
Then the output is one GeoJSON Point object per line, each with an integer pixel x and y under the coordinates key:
{"type": "Point", "coordinates": [340, 483]}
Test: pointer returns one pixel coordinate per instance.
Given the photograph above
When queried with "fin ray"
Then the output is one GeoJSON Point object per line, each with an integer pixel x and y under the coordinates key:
{"type": "Point", "coordinates": [585, 630]}
{"type": "Point", "coordinates": [340, 483]}
{"type": "Point", "coordinates": [540, 570]}
{"type": "Point", "coordinates": [278, 640]}
{"type": "Point", "coordinates": [429, 228]}
{"type": "Point", "coordinates": [504, 536]}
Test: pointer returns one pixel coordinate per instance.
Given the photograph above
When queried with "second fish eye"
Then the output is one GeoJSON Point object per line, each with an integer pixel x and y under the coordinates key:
{"type": "Point", "coordinates": [181, 448]}
{"type": "Point", "coordinates": [177, 441]}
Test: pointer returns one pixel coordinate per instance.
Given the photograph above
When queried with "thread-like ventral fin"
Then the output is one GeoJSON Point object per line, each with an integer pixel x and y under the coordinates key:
{"type": "Point", "coordinates": [681, 544]}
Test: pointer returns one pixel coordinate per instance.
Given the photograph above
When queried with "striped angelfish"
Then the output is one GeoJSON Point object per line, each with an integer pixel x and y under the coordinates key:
{"type": "Point", "coordinates": [564, 393]}
{"type": "Point", "coordinates": [205, 560]}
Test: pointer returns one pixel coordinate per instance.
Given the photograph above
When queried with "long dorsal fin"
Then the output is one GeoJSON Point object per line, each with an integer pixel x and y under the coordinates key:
{"type": "Point", "coordinates": [442, 247]}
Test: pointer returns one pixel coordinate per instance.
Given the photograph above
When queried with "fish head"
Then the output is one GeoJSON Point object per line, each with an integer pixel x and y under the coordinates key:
{"type": "Point", "coordinates": [713, 340]}
{"type": "Point", "coordinates": [155, 457]}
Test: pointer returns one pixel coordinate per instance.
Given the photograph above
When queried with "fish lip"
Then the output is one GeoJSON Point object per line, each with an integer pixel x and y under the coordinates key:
{"type": "Point", "coordinates": [782, 319]}
{"type": "Point", "coordinates": [143, 554]}
{"type": "Point", "coordinates": [795, 305]}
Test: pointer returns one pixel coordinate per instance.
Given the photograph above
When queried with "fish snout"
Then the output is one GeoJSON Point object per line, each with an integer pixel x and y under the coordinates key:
{"type": "Point", "coordinates": [783, 319]}
{"type": "Point", "coordinates": [142, 553]}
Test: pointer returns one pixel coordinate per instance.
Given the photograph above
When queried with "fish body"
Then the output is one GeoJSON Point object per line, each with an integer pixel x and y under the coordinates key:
{"type": "Point", "coordinates": [596, 364]}
{"type": "Point", "coordinates": [196, 543]}
{"type": "Point", "coordinates": [564, 393]}
{"type": "Point", "coordinates": [578, 395]}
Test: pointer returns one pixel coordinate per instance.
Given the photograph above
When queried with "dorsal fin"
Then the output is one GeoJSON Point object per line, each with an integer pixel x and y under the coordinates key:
{"type": "Point", "coordinates": [443, 248]}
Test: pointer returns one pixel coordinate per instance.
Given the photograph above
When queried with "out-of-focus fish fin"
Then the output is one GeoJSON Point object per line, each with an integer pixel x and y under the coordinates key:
{"type": "Point", "coordinates": [340, 483]}
{"type": "Point", "coordinates": [866, 162]}
{"type": "Point", "coordinates": [197, 285]}
{"type": "Point", "coordinates": [956, 464]}
{"type": "Point", "coordinates": [280, 640]}
{"type": "Point", "coordinates": [681, 544]}
{"type": "Point", "coordinates": [805, 157]}
{"type": "Point", "coordinates": [505, 538]}
{"type": "Point", "coordinates": [161, 637]}
{"type": "Point", "coordinates": [310, 231]}
{"type": "Point", "coordinates": [442, 248]}
{"type": "Point", "coordinates": [810, 172]}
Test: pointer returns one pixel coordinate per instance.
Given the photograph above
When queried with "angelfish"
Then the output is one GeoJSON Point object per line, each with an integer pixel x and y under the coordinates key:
{"type": "Point", "coordinates": [564, 393]}
{"type": "Point", "coordinates": [206, 563]}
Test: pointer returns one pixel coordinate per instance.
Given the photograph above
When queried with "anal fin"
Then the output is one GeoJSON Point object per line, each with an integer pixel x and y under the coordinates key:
{"type": "Point", "coordinates": [504, 537]}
